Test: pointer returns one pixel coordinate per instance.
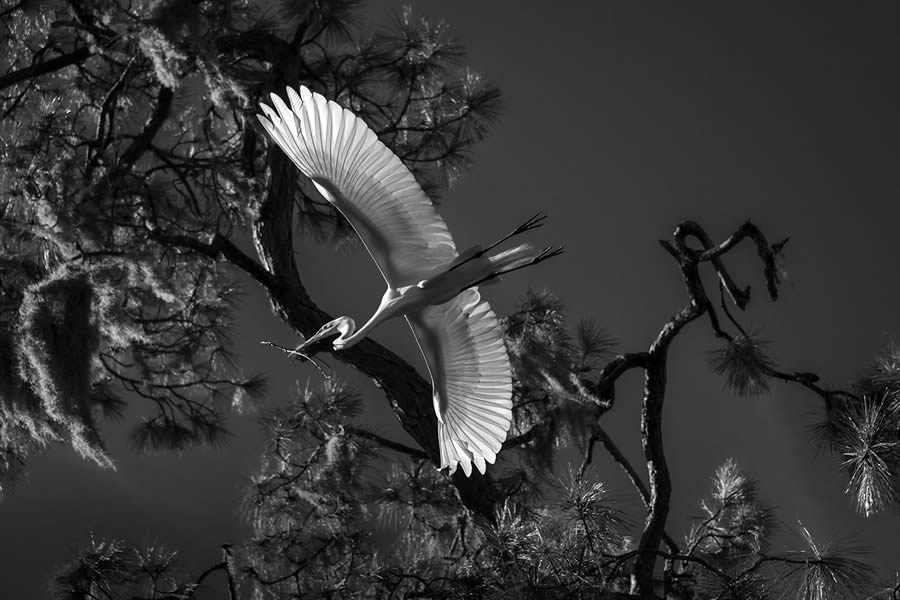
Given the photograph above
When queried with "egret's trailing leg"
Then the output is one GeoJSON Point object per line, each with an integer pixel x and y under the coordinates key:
{"type": "Point", "coordinates": [537, 220]}
{"type": "Point", "coordinates": [545, 254]}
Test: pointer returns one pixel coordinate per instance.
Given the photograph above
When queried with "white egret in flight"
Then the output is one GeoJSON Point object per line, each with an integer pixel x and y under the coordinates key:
{"type": "Point", "coordinates": [428, 282]}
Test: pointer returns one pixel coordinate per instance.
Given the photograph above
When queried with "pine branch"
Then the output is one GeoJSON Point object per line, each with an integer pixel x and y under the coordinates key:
{"type": "Point", "coordinates": [159, 112]}
{"type": "Point", "coordinates": [689, 261]}
{"type": "Point", "coordinates": [231, 571]}
{"type": "Point", "coordinates": [45, 67]}
{"type": "Point", "coordinates": [527, 436]}
{"type": "Point", "coordinates": [610, 446]}
{"type": "Point", "coordinates": [226, 565]}
{"type": "Point", "coordinates": [414, 453]}
{"type": "Point", "coordinates": [809, 381]}
{"type": "Point", "coordinates": [766, 252]}
{"type": "Point", "coordinates": [141, 142]}
{"type": "Point", "coordinates": [219, 246]}
{"type": "Point", "coordinates": [652, 442]}
{"type": "Point", "coordinates": [604, 387]}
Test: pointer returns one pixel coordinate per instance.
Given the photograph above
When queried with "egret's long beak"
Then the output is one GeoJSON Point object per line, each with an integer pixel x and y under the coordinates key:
{"type": "Point", "coordinates": [309, 344]}
{"type": "Point", "coordinates": [307, 348]}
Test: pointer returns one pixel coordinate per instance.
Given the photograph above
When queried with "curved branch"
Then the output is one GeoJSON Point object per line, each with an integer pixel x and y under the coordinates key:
{"type": "Point", "coordinates": [655, 379]}
{"type": "Point", "coordinates": [767, 253]}
{"type": "Point", "coordinates": [611, 447]}
{"type": "Point", "coordinates": [604, 387]}
{"type": "Point", "coordinates": [652, 442]}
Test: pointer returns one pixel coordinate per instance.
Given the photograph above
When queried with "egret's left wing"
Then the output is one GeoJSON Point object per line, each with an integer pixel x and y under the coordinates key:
{"type": "Point", "coordinates": [368, 183]}
{"type": "Point", "coordinates": [469, 367]}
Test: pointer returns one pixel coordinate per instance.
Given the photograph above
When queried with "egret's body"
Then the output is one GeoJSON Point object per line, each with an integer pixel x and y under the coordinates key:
{"type": "Point", "coordinates": [428, 282]}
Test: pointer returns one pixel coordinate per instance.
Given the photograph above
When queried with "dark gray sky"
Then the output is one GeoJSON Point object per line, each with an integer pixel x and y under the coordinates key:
{"type": "Point", "coordinates": [621, 120]}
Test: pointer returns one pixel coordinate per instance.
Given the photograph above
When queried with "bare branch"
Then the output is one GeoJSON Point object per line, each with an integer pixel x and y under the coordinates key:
{"type": "Point", "coordinates": [655, 379]}
{"type": "Point", "coordinates": [767, 253]}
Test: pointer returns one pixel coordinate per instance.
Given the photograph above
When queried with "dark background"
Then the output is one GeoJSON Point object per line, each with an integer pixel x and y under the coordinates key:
{"type": "Point", "coordinates": [621, 120]}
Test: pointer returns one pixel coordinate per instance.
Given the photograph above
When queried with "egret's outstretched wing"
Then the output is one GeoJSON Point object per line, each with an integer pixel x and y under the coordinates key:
{"type": "Point", "coordinates": [368, 183]}
{"type": "Point", "coordinates": [469, 366]}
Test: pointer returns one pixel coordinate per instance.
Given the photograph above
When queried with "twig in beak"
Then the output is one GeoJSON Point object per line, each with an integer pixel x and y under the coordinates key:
{"type": "Point", "coordinates": [294, 352]}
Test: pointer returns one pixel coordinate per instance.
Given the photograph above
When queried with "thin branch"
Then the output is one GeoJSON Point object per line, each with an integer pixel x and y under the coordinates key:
{"type": "Point", "coordinates": [809, 381]}
{"type": "Point", "coordinates": [217, 567]}
{"type": "Point", "coordinates": [604, 387]}
{"type": "Point", "coordinates": [141, 142]}
{"type": "Point", "coordinates": [588, 455]}
{"type": "Point", "coordinates": [230, 570]}
{"type": "Point", "coordinates": [392, 445]}
{"type": "Point", "coordinates": [690, 228]}
{"type": "Point", "coordinates": [527, 436]}
{"type": "Point", "coordinates": [220, 246]}
{"type": "Point", "coordinates": [767, 253]}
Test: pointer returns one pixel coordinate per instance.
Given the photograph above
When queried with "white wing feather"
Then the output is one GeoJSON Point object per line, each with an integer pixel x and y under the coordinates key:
{"type": "Point", "coordinates": [470, 373]}
{"type": "Point", "coordinates": [368, 183]}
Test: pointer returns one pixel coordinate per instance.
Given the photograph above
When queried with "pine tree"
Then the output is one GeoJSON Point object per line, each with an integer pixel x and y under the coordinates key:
{"type": "Point", "coordinates": [138, 192]}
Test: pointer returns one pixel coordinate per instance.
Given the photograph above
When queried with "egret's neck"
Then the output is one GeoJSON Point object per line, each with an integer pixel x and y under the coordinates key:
{"type": "Point", "coordinates": [350, 337]}
{"type": "Point", "coordinates": [346, 327]}
{"type": "Point", "coordinates": [392, 305]}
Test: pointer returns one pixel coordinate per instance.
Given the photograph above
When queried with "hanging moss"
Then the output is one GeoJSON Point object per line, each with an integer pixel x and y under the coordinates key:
{"type": "Point", "coordinates": [56, 342]}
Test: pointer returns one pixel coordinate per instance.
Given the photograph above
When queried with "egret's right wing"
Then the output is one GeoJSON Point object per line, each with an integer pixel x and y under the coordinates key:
{"type": "Point", "coordinates": [368, 183]}
{"type": "Point", "coordinates": [469, 367]}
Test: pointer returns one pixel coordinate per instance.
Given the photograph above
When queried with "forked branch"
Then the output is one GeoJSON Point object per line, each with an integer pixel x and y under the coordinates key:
{"type": "Point", "coordinates": [689, 260]}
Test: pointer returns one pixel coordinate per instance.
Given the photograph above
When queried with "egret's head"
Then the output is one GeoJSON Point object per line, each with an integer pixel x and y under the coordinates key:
{"type": "Point", "coordinates": [345, 326]}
